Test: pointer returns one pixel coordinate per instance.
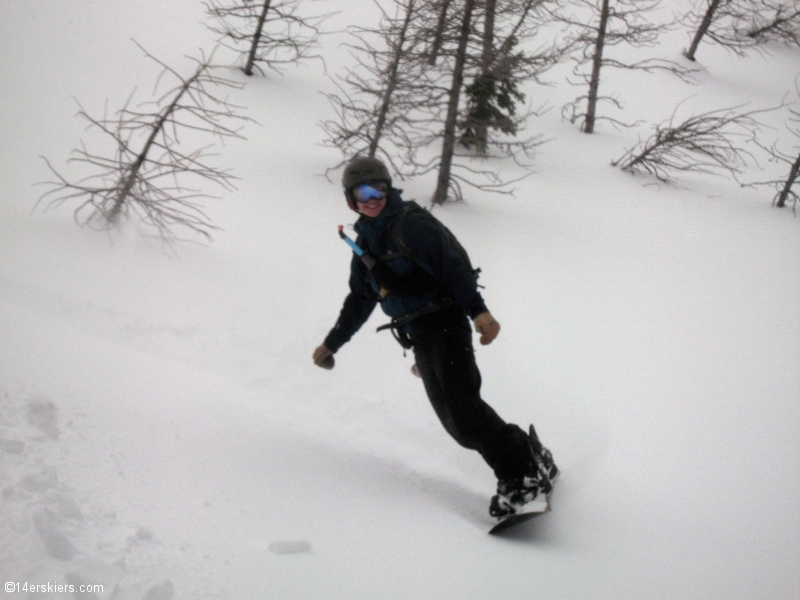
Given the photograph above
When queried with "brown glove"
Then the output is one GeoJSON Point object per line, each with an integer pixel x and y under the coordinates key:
{"type": "Point", "coordinates": [487, 327]}
{"type": "Point", "coordinates": [323, 357]}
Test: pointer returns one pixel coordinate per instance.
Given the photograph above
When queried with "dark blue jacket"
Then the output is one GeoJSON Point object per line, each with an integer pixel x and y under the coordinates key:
{"type": "Point", "coordinates": [430, 251]}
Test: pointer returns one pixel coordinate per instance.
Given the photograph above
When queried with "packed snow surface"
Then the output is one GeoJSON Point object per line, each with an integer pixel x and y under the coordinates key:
{"type": "Point", "coordinates": [164, 433]}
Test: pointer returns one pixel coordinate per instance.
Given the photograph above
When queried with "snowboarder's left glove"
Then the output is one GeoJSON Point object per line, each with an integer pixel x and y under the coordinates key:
{"type": "Point", "coordinates": [487, 327]}
{"type": "Point", "coordinates": [323, 357]}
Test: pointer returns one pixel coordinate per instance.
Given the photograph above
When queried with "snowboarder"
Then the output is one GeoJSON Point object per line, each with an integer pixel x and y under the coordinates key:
{"type": "Point", "coordinates": [408, 262]}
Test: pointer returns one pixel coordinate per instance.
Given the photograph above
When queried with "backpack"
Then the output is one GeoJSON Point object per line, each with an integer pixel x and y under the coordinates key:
{"type": "Point", "coordinates": [396, 231]}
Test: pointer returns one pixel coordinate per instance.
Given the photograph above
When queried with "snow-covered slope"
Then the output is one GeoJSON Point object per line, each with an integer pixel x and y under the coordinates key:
{"type": "Point", "coordinates": [163, 432]}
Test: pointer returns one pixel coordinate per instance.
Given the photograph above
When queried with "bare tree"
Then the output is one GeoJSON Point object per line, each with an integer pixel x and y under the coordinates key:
{"type": "Point", "coordinates": [443, 180]}
{"type": "Point", "coordinates": [787, 189]}
{"type": "Point", "coordinates": [148, 173]}
{"type": "Point", "coordinates": [380, 101]}
{"type": "Point", "coordinates": [703, 26]}
{"type": "Point", "coordinates": [438, 33]}
{"type": "Point", "coordinates": [265, 32]}
{"type": "Point", "coordinates": [711, 143]}
{"type": "Point", "coordinates": [776, 21]}
{"type": "Point", "coordinates": [396, 104]}
{"type": "Point", "coordinates": [739, 25]}
{"type": "Point", "coordinates": [610, 23]}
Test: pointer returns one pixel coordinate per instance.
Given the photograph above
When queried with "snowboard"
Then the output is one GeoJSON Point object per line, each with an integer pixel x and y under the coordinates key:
{"type": "Point", "coordinates": [528, 512]}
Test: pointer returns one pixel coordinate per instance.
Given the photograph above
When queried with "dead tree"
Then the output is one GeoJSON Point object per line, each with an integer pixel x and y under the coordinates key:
{"type": "Point", "coordinates": [603, 24]}
{"type": "Point", "coordinates": [438, 33]}
{"type": "Point", "coordinates": [703, 27]}
{"type": "Point", "coordinates": [740, 25]}
{"type": "Point", "coordinates": [775, 21]}
{"type": "Point", "coordinates": [443, 180]}
{"type": "Point", "coordinates": [712, 143]}
{"type": "Point", "coordinates": [380, 100]}
{"type": "Point", "coordinates": [393, 103]}
{"type": "Point", "coordinates": [149, 172]}
{"type": "Point", "coordinates": [265, 32]}
{"type": "Point", "coordinates": [787, 189]}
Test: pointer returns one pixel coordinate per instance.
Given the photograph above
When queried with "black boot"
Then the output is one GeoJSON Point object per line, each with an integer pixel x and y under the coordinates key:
{"type": "Point", "coordinates": [543, 459]}
{"type": "Point", "coordinates": [520, 494]}
{"type": "Point", "coordinates": [530, 492]}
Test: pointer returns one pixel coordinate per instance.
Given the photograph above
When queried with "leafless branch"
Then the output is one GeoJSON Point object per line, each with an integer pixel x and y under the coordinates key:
{"type": "Point", "coordinates": [776, 21]}
{"type": "Point", "coordinates": [404, 97]}
{"type": "Point", "coordinates": [787, 188]}
{"type": "Point", "coordinates": [271, 33]}
{"type": "Point", "coordinates": [386, 101]}
{"type": "Point", "coordinates": [149, 173]}
{"type": "Point", "coordinates": [743, 25]}
{"type": "Point", "coordinates": [600, 25]}
{"type": "Point", "coordinates": [711, 143]}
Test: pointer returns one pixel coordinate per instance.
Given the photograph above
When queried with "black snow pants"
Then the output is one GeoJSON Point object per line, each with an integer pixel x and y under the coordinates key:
{"type": "Point", "coordinates": [446, 361]}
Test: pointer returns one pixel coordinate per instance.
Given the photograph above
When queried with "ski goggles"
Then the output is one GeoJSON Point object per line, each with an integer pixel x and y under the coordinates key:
{"type": "Point", "coordinates": [375, 190]}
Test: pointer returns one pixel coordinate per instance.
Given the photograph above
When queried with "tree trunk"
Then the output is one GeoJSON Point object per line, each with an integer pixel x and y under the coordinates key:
{"type": "Point", "coordinates": [391, 83]}
{"type": "Point", "coordinates": [251, 58]}
{"type": "Point", "coordinates": [794, 174]}
{"type": "Point", "coordinates": [701, 31]}
{"type": "Point", "coordinates": [487, 54]}
{"type": "Point", "coordinates": [487, 58]}
{"type": "Point", "coordinates": [158, 126]}
{"type": "Point", "coordinates": [597, 63]}
{"type": "Point", "coordinates": [439, 34]}
{"type": "Point", "coordinates": [449, 143]}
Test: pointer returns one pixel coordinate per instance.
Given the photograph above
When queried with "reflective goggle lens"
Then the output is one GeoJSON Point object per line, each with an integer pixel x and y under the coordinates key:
{"type": "Point", "coordinates": [369, 191]}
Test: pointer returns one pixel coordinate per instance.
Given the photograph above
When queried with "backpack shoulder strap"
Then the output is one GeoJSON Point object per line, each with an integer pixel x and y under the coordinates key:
{"type": "Point", "coordinates": [396, 227]}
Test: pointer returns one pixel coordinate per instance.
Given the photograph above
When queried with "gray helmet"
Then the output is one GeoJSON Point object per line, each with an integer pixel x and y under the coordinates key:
{"type": "Point", "coordinates": [363, 170]}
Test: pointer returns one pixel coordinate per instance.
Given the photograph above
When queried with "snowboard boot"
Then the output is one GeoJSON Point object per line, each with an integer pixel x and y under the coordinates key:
{"type": "Point", "coordinates": [519, 494]}
{"type": "Point", "coordinates": [531, 492]}
{"type": "Point", "coordinates": [543, 461]}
